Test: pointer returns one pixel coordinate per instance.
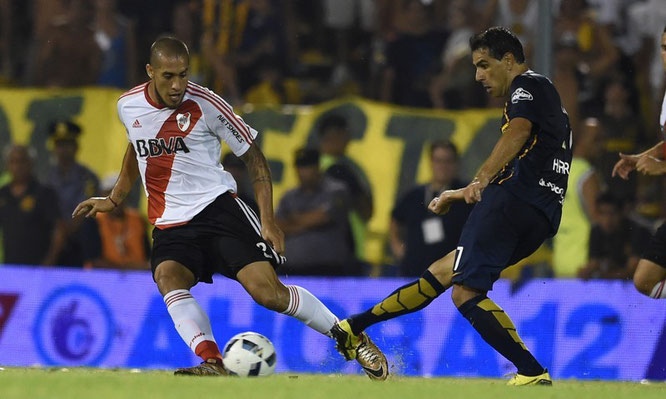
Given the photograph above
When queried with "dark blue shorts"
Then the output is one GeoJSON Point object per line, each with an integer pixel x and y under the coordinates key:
{"type": "Point", "coordinates": [501, 230]}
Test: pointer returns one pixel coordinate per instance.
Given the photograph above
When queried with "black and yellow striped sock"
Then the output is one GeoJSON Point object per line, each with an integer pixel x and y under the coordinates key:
{"type": "Point", "coordinates": [498, 331]}
{"type": "Point", "coordinates": [406, 299]}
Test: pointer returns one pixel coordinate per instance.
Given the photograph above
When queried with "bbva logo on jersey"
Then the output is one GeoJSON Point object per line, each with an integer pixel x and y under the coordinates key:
{"type": "Point", "coordinates": [157, 147]}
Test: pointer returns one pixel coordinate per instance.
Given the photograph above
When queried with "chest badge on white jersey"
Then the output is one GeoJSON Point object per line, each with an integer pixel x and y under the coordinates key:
{"type": "Point", "coordinates": [183, 121]}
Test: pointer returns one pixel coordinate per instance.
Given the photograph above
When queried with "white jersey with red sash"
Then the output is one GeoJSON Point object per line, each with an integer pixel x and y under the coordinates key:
{"type": "Point", "coordinates": [178, 150]}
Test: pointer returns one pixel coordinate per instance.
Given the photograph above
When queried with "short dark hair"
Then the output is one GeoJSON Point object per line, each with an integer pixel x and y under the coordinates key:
{"type": "Point", "coordinates": [445, 144]}
{"type": "Point", "coordinates": [332, 121]}
{"type": "Point", "coordinates": [664, 29]}
{"type": "Point", "coordinates": [499, 41]}
{"type": "Point", "coordinates": [168, 46]}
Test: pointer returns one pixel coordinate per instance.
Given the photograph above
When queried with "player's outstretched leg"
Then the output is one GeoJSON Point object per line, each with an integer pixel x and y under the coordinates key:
{"type": "Point", "coordinates": [649, 279]}
{"type": "Point", "coordinates": [409, 298]}
{"type": "Point", "coordinates": [261, 282]}
{"type": "Point", "coordinates": [498, 331]}
{"type": "Point", "coordinates": [190, 320]}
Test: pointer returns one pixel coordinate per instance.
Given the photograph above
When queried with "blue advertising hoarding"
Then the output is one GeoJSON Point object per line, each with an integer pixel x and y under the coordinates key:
{"type": "Point", "coordinates": [586, 330]}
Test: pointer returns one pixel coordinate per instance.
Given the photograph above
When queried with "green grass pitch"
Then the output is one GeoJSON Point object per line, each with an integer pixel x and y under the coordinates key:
{"type": "Point", "coordinates": [56, 383]}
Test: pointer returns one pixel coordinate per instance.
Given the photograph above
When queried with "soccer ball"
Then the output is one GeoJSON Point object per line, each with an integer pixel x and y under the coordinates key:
{"type": "Point", "coordinates": [249, 354]}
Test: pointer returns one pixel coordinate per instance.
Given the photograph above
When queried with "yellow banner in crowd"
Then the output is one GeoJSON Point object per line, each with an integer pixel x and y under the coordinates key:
{"type": "Point", "coordinates": [389, 143]}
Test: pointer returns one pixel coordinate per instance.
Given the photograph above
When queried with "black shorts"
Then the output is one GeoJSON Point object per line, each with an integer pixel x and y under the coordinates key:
{"type": "Point", "coordinates": [501, 230]}
{"type": "Point", "coordinates": [222, 238]}
{"type": "Point", "coordinates": [656, 249]}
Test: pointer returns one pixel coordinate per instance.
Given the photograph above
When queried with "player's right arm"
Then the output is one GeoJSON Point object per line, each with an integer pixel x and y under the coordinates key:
{"type": "Point", "coordinates": [442, 203]}
{"type": "Point", "coordinates": [629, 162]}
{"type": "Point", "coordinates": [128, 175]}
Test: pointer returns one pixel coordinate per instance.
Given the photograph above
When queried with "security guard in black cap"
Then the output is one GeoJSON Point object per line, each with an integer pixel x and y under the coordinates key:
{"type": "Point", "coordinates": [72, 182]}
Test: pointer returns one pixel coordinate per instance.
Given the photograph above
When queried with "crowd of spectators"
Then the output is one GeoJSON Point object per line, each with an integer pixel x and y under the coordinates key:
{"type": "Point", "coordinates": [415, 53]}
{"type": "Point", "coordinates": [302, 51]}
{"type": "Point", "coordinates": [35, 217]}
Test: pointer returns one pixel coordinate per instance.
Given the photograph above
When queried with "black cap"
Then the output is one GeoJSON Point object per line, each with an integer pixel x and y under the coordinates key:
{"type": "Point", "coordinates": [307, 157]}
{"type": "Point", "coordinates": [64, 131]}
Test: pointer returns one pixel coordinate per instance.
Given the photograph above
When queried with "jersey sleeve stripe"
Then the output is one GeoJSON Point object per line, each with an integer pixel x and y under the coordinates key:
{"type": "Point", "coordinates": [246, 136]}
{"type": "Point", "coordinates": [231, 119]}
{"type": "Point", "coordinates": [234, 119]}
{"type": "Point", "coordinates": [223, 103]}
{"type": "Point", "coordinates": [130, 94]}
{"type": "Point", "coordinates": [133, 90]}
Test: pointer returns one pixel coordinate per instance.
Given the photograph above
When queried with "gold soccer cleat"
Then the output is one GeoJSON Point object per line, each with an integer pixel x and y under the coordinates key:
{"type": "Point", "coordinates": [361, 348]}
{"type": "Point", "coordinates": [521, 380]}
{"type": "Point", "coordinates": [210, 368]}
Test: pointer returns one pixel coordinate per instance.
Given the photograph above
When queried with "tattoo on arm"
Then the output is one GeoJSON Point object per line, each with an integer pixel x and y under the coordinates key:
{"type": "Point", "coordinates": [121, 195]}
{"type": "Point", "coordinates": [257, 165]}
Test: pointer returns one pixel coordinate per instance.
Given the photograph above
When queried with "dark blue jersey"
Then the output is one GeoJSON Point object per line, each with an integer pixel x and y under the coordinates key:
{"type": "Point", "coordinates": [539, 173]}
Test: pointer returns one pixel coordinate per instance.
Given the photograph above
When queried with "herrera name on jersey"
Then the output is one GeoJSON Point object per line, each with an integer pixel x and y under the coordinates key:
{"type": "Point", "coordinates": [178, 150]}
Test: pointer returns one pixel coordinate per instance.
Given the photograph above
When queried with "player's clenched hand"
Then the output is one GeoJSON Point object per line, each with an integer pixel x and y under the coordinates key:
{"type": "Point", "coordinates": [272, 233]}
{"type": "Point", "coordinates": [651, 166]}
{"type": "Point", "coordinates": [472, 193]}
{"type": "Point", "coordinates": [91, 206]}
{"type": "Point", "coordinates": [441, 204]}
{"type": "Point", "coordinates": [625, 165]}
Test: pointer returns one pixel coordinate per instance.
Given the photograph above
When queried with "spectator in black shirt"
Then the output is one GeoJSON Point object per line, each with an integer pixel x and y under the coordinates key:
{"type": "Point", "coordinates": [72, 183]}
{"type": "Point", "coordinates": [418, 236]}
{"type": "Point", "coordinates": [313, 218]}
{"type": "Point", "coordinates": [616, 242]}
{"type": "Point", "coordinates": [334, 137]}
{"type": "Point", "coordinates": [33, 232]}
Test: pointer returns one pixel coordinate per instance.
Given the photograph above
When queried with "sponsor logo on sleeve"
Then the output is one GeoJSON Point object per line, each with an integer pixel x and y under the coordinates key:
{"type": "Point", "coordinates": [521, 95]}
{"type": "Point", "coordinates": [231, 128]}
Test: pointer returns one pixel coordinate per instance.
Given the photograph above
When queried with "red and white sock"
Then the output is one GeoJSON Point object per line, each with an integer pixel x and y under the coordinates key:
{"type": "Point", "coordinates": [192, 324]}
{"type": "Point", "coordinates": [307, 308]}
{"type": "Point", "coordinates": [659, 291]}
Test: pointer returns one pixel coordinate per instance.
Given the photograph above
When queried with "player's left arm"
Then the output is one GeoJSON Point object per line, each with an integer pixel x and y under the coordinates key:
{"type": "Point", "coordinates": [260, 175]}
{"type": "Point", "coordinates": [512, 140]}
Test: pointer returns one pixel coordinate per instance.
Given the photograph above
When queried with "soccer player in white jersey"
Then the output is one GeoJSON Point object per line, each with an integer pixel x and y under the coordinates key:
{"type": "Point", "coordinates": [650, 275]}
{"type": "Point", "coordinates": [175, 129]}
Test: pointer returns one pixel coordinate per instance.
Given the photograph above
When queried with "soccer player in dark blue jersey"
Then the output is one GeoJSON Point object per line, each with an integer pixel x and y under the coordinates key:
{"type": "Point", "coordinates": [518, 193]}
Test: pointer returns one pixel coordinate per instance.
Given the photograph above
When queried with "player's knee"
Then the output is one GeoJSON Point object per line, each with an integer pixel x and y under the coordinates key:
{"type": "Point", "coordinates": [171, 276]}
{"type": "Point", "coordinates": [269, 296]}
{"type": "Point", "coordinates": [461, 294]}
{"type": "Point", "coordinates": [457, 295]}
{"type": "Point", "coordinates": [643, 284]}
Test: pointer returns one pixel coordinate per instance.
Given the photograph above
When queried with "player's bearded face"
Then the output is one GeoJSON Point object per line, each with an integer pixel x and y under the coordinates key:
{"type": "Point", "coordinates": [491, 73]}
{"type": "Point", "coordinates": [170, 77]}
